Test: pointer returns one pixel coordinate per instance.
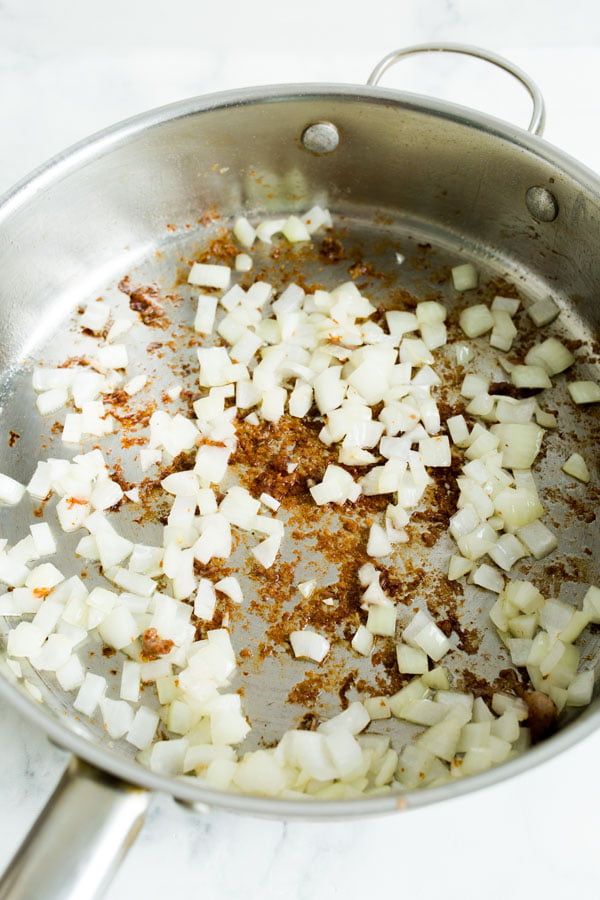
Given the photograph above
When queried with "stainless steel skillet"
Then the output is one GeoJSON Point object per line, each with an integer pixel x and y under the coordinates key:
{"type": "Point", "coordinates": [397, 170]}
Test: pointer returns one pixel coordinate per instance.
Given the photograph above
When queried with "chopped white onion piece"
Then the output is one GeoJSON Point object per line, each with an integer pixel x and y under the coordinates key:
{"type": "Point", "coordinates": [137, 383]}
{"type": "Point", "coordinates": [518, 507]}
{"type": "Point", "coordinates": [551, 355]}
{"type": "Point", "coordinates": [143, 728]}
{"type": "Point", "coordinates": [584, 391]}
{"type": "Point", "coordinates": [400, 323]}
{"type": "Point", "coordinates": [113, 356]}
{"type": "Point", "coordinates": [90, 693]}
{"type": "Point", "coordinates": [519, 443]}
{"type": "Point", "coordinates": [24, 640]}
{"type": "Point", "coordinates": [120, 326]}
{"type": "Point", "coordinates": [382, 620]}
{"type": "Point", "coordinates": [337, 486]}
{"type": "Point", "coordinates": [441, 739]}
{"type": "Point", "coordinates": [353, 719]}
{"type": "Point", "coordinates": [487, 577]}
{"type": "Point", "coordinates": [465, 277]}
{"type": "Point", "coordinates": [581, 689]}
{"type": "Point", "coordinates": [459, 431]}
{"type": "Point", "coordinates": [435, 451]}
{"type": "Point", "coordinates": [43, 539]}
{"type": "Point", "coordinates": [11, 491]}
{"type": "Point", "coordinates": [51, 401]}
{"type": "Point", "coordinates": [503, 332]}
{"type": "Point", "coordinates": [476, 320]}
{"type": "Point", "coordinates": [95, 316]}
{"type": "Point", "coordinates": [378, 543]}
{"type": "Point", "coordinates": [244, 231]}
{"type": "Point", "coordinates": [458, 566]}
{"type": "Point", "coordinates": [506, 304]}
{"type": "Point", "coordinates": [538, 539]}
{"type": "Point", "coordinates": [269, 227]}
{"type": "Point", "coordinates": [530, 376]}
{"type": "Point", "coordinates": [423, 633]}
{"type": "Point", "coordinates": [543, 311]}
{"type": "Point", "coordinates": [295, 230]}
{"type": "Point", "coordinates": [209, 275]}
{"type": "Point", "coordinates": [270, 502]}
{"type": "Point", "coordinates": [130, 681]}
{"type": "Point", "coordinates": [309, 645]}
{"type": "Point", "coordinates": [230, 586]}
{"type": "Point", "coordinates": [71, 674]}
{"type": "Point", "coordinates": [474, 385]}
{"type": "Point", "coordinates": [205, 313]}
{"type": "Point", "coordinates": [316, 217]}
{"type": "Point", "coordinates": [266, 552]}
{"type": "Point", "coordinates": [377, 708]}
{"type": "Point", "coordinates": [363, 641]}
{"type": "Point", "coordinates": [411, 660]}
{"type": "Point", "coordinates": [577, 467]}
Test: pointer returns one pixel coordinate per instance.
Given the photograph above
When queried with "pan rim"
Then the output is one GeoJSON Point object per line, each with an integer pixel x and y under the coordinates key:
{"type": "Point", "coordinates": [94, 145]}
{"type": "Point", "coordinates": [185, 790]}
{"type": "Point", "coordinates": [195, 794]}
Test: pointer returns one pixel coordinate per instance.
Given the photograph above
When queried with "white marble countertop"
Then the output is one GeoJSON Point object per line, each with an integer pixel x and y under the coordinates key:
{"type": "Point", "coordinates": [68, 68]}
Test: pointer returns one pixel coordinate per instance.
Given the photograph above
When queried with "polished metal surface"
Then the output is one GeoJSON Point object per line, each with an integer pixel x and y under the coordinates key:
{"type": "Point", "coordinates": [320, 138]}
{"type": "Point", "coordinates": [538, 115]}
{"type": "Point", "coordinates": [79, 839]}
{"type": "Point", "coordinates": [432, 174]}
{"type": "Point", "coordinates": [541, 203]}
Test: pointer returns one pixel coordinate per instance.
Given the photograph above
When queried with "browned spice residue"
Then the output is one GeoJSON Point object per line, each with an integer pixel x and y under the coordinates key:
{"type": "Point", "coordinates": [309, 722]}
{"type": "Point", "coordinates": [331, 250]}
{"type": "Point", "coordinates": [360, 268]}
{"type": "Point", "coordinates": [13, 437]}
{"type": "Point", "coordinates": [73, 361]}
{"type": "Point", "coordinates": [265, 451]}
{"type": "Point", "coordinates": [76, 501]}
{"type": "Point", "coordinates": [286, 459]}
{"type": "Point", "coordinates": [306, 692]}
{"type": "Point", "coordinates": [221, 249]}
{"type": "Point", "coordinates": [508, 681]}
{"type": "Point", "coordinates": [129, 417]}
{"type": "Point", "coordinates": [146, 301]}
{"type": "Point", "coordinates": [154, 646]}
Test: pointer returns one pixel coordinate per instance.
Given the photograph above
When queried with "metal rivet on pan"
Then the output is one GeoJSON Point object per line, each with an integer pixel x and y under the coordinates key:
{"type": "Point", "coordinates": [542, 204]}
{"type": "Point", "coordinates": [320, 138]}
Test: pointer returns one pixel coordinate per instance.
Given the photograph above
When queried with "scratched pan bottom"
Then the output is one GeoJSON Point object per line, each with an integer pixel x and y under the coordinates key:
{"type": "Point", "coordinates": [278, 691]}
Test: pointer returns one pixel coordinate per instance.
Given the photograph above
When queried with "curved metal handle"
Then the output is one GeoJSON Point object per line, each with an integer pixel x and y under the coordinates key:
{"type": "Point", "coordinates": [538, 117]}
{"type": "Point", "coordinates": [79, 839]}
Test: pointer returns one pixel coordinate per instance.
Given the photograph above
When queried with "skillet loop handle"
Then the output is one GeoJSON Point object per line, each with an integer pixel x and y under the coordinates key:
{"type": "Point", "coordinates": [79, 839]}
{"type": "Point", "coordinates": [538, 117]}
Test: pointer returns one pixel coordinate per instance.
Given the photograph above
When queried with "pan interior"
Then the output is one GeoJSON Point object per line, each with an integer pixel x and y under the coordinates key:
{"type": "Point", "coordinates": [278, 691]}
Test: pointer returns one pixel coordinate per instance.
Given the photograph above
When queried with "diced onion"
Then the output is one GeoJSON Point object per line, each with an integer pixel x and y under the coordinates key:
{"type": "Point", "coordinates": [373, 382]}
{"type": "Point", "coordinates": [465, 277]}
{"type": "Point", "coordinates": [205, 275]}
{"type": "Point", "coordinates": [309, 645]}
{"type": "Point", "coordinates": [11, 491]}
{"type": "Point", "coordinates": [476, 320]}
{"type": "Point", "coordinates": [577, 467]}
{"type": "Point", "coordinates": [584, 391]}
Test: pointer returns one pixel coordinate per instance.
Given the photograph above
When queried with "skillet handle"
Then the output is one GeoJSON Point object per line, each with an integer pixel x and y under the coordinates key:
{"type": "Point", "coordinates": [79, 839]}
{"type": "Point", "coordinates": [538, 116]}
